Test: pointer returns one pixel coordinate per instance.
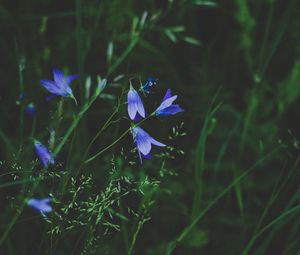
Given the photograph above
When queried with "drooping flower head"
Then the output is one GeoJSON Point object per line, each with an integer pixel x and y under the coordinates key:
{"type": "Point", "coordinates": [167, 107]}
{"type": "Point", "coordinates": [44, 155]}
{"type": "Point", "coordinates": [135, 105]}
{"type": "Point", "coordinates": [144, 141]}
{"type": "Point", "coordinates": [60, 86]}
{"type": "Point", "coordinates": [30, 109]}
{"type": "Point", "coordinates": [40, 205]}
{"type": "Point", "coordinates": [149, 83]}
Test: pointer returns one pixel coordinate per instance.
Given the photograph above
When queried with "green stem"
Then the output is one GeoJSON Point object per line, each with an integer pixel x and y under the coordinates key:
{"type": "Point", "coordinates": [75, 123]}
{"type": "Point", "coordinates": [172, 245]}
{"type": "Point", "coordinates": [124, 55]}
{"type": "Point", "coordinates": [116, 141]}
{"type": "Point", "coordinates": [108, 147]}
{"type": "Point", "coordinates": [264, 229]}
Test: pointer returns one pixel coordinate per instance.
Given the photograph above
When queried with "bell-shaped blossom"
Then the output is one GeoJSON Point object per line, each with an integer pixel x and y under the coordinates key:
{"type": "Point", "coordinates": [167, 107]}
{"type": "Point", "coordinates": [144, 142]}
{"type": "Point", "coordinates": [60, 86]}
{"type": "Point", "coordinates": [149, 83]}
{"type": "Point", "coordinates": [44, 155]}
{"type": "Point", "coordinates": [41, 205]}
{"type": "Point", "coordinates": [135, 105]}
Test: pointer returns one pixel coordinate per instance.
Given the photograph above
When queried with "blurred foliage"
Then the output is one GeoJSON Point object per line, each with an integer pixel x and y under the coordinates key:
{"type": "Point", "coordinates": [235, 66]}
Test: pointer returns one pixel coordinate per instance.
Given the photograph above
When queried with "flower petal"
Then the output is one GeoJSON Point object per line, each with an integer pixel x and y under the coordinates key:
{"type": "Point", "coordinates": [131, 104]}
{"type": "Point", "coordinates": [51, 87]}
{"type": "Point", "coordinates": [41, 205]}
{"type": "Point", "coordinates": [171, 110]}
{"type": "Point", "coordinates": [143, 140]}
{"type": "Point", "coordinates": [135, 104]}
{"type": "Point", "coordinates": [43, 154]}
{"type": "Point", "coordinates": [148, 156]}
{"type": "Point", "coordinates": [59, 77]}
{"type": "Point", "coordinates": [157, 143]}
{"type": "Point", "coordinates": [166, 103]}
{"type": "Point", "coordinates": [140, 107]}
{"type": "Point", "coordinates": [167, 95]}
{"type": "Point", "coordinates": [70, 78]}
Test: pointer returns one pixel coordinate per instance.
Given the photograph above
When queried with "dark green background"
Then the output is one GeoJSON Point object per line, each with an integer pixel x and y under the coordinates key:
{"type": "Point", "coordinates": [248, 60]}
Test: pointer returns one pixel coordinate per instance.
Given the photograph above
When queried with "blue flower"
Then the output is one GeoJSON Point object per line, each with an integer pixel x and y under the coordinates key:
{"type": "Point", "coordinates": [43, 154]}
{"type": "Point", "coordinates": [144, 141]}
{"type": "Point", "coordinates": [148, 84]}
{"type": "Point", "coordinates": [30, 109]}
{"type": "Point", "coordinates": [167, 107]}
{"type": "Point", "coordinates": [61, 84]}
{"type": "Point", "coordinates": [41, 205]}
{"type": "Point", "coordinates": [135, 105]}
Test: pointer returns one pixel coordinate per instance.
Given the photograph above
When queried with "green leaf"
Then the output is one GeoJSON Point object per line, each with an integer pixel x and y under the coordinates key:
{"type": "Point", "coordinates": [192, 40]}
{"type": "Point", "coordinates": [205, 3]}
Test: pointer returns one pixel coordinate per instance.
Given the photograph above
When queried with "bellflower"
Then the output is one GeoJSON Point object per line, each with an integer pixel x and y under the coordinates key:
{"type": "Point", "coordinates": [135, 105]}
{"type": "Point", "coordinates": [150, 82]}
{"type": "Point", "coordinates": [43, 154]}
{"type": "Point", "coordinates": [60, 86]}
{"type": "Point", "coordinates": [40, 205]}
{"type": "Point", "coordinates": [144, 141]}
{"type": "Point", "coordinates": [167, 107]}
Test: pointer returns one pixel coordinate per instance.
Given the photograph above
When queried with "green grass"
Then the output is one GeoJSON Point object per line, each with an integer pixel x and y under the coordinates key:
{"type": "Point", "coordinates": [227, 183]}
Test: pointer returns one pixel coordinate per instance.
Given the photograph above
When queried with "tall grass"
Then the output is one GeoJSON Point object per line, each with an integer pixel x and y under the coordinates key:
{"type": "Point", "coordinates": [227, 183]}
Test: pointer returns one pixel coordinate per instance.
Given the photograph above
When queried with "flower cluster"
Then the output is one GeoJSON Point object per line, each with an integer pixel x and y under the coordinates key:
{"type": "Point", "coordinates": [136, 112]}
{"type": "Point", "coordinates": [60, 86]}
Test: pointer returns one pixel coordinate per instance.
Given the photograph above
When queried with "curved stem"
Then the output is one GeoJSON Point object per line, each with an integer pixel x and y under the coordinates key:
{"type": "Point", "coordinates": [116, 141]}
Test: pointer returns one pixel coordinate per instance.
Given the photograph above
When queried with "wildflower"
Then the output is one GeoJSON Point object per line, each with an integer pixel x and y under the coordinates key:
{"type": "Point", "coordinates": [148, 84]}
{"type": "Point", "coordinates": [61, 84]}
{"type": "Point", "coordinates": [144, 141]}
{"type": "Point", "coordinates": [41, 205]}
{"type": "Point", "coordinates": [135, 105]}
{"type": "Point", "coordinates": [43, 154]}
{"type": "Point", "coordinates": [167, 107]}
{"type": "Point", "coordinates": [30, 109]}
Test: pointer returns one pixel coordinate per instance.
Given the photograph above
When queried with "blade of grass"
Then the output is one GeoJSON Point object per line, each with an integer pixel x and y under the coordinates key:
{"type": "Point", "coordinates": [200, 156]}
{"type": "Point", "coordinates": [8, 143]}
{"type": "Point", "coordinates": [268, 226]}
{"type": "Point", "coordinates": [172, 245]}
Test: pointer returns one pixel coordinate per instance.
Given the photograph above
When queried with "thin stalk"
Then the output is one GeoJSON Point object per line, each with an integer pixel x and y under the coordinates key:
{"type": "Point", "coordinates": [124, 55]}
{"type": "Point", "coordinates": [264, 229]}
{"type": "Point", "coordinates": [115, 142]}
{"type": "Point", "coordinates": [172, 245]}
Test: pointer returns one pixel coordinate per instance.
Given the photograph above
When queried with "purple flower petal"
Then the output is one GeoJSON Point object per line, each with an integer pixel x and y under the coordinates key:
{"type": "Point", "coordinates": [71, 77]}
{"type": "Point", "coordinates": [51, 87]}
{"type": "Point", "coordinates": [61, 84]}
{"type": "Point", "coordinates": [43, 154]}
{"type": "Point", "coordinates": [144, 140]}
{"type": "Point", "coordinates": [148, 156]}
{"type": "Point", "coordinates": [59, 77]}
{"type": "Point", "coordinates": [131, 104]}
{"type": "Point", "coordinates": [41, 205]}
{"type": "Point", "coordinates": [166, 103]}
{"type": "Point", "coordinates": [167, 95]}
{"type": "Point", "coordinates": [171, 110]}
{"type": "Point", "coordinates": [157, 143]}
{"type": "Point", "coordinates": [166, 107]}
{"type": "Point", "coordinates": [135, 104]}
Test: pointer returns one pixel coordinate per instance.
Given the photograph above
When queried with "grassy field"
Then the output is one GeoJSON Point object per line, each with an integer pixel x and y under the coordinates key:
{"type": "Point", "coordinates": [227, 181]}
